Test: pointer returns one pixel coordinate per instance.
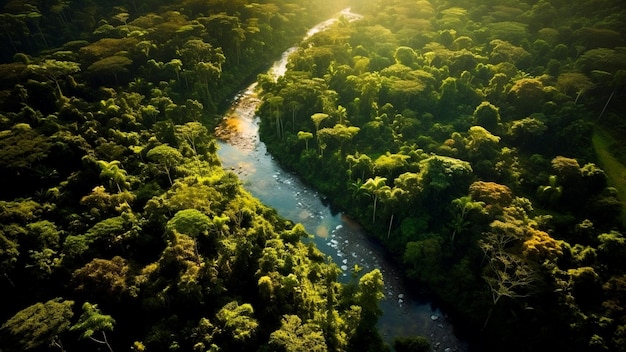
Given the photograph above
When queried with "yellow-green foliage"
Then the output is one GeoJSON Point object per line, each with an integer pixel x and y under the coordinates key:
{"type": "Point", "coordinates": [106, 47]}
{"type": "Point", "coordinates": [540, 246]}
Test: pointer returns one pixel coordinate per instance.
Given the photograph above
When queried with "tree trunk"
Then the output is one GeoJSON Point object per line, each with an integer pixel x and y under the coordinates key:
{"type": "Point", "coordinates": [607, 104]}
{"type": "Point", "coordinates": [390, 223]}
{"type": "Point", "coordinates": [374, 212]}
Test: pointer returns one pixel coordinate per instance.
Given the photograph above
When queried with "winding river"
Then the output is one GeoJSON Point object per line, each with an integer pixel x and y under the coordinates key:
{"type": "Point", "coordinates": [241, 151]}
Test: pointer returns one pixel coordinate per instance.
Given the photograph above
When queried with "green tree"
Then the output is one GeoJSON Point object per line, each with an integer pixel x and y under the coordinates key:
{"type": "Point", "coordinates": [528, 132]}
{"type": "Point", "coordinates": [373, 187]}
{"type": "Point", "coordinates": [112, 65]}
{"type": "Point", "coordinates": [528, 95]}
{"type": "Point", "coordinates": [204, 334]}
{"type": "Point", "coordinates": [504, 51]}
{"type": "Point", "coordinates": [176, 65]}
{"type": "Point", "coordinates": [393, 198]}
{"type": "Point", "coordinates": [439, 175]}
{"type": "Point", "coordinates": [481, 144]}
{"type": "Point", "coordinates": [103, 278]}
{"type": "Point", "coordinates": [359, 162]}
{"type": "Point", "coordinates": [151, 111]}
{"type": "Point", "coordinates": [612, 247]}
{"type": "Point", "coordinates": [305, 136]}
{"type": "Point", "coordinates": [238, 321]}
{"type": "Point", "coordinates": [112, 171]}
{"type": "Point", "coordinates": [423, 258]}
{"type": "Point", "coordinates": [295, 106]}
{"type": "Point", "coordinates": [54, 70]}
{"type": "Point", "coordinates": [487, 116]}
{"type": "Point", "coordinates": [339, 133]}
{"type": "Point", "coordinates": [574, 83]}
{"type": "Point", "coordinates": [40, 324]}
{"type": "Point", "coordinates": [191, 222]}
{"type": "Point", "coordinates": [276, 104]}
{"type": "Point", "coordinates": [317, 119]}
{"type": "Point", "coordinates": [461, 208]}
{"type": "Point", "coordinates": [368, 295]}
{"type": "Point", "coordinates": [405, 55]}
{"type": "Point", "coordinates": [390, 164]}
{"type": "Point", "coordinates": [550, 193]}
{"type": "Point", "coordinates": [206, 62]}
{"type": "Point", "coordinates": [112, 231]}
{"type": "Point", "coordinates": [168, 157]}
{"type": "Point", "coordinates": [449, 96]}
{"type": "Point", "coordinates": [92, 321]}
{"type": "Point", "coordinates": [22, 149]}
{"type": "Point", "coordinates": [294, 336]}
{"type": "Point", "coordinates": [145, 46]}
{"type": "Point", "coordinates": [14, 26]}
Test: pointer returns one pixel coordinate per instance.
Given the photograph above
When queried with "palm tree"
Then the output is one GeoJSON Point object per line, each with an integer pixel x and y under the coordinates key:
{"type": "Point", "coordinates": [114, 173]}
{"type": "Point", "coordinates": [374, 186]}
{"type": "Point", "coordinates": [392, 197]}
{"type": "Point", "coordinates": [305, 136]}
{"type": "Point", "coordinates": [461, 207]}
{"type": "Point", "coordinates": [295, 107]}
{"type": "Point", "coordinates": [276, 103]}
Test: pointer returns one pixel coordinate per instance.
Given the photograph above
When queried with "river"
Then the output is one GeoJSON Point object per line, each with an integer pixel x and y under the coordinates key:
{"type": "Point", "coordinates": [335, 234]}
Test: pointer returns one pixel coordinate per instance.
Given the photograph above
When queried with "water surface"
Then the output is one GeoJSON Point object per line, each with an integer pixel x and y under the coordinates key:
{"type": "Point", "coordinates": [335, 234]}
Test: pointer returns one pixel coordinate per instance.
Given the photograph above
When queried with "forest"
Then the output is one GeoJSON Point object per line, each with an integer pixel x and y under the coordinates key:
{"type": "Point", "coordinates": [480, 142]}
{"type": "Point", "coordinates": [119, 229]}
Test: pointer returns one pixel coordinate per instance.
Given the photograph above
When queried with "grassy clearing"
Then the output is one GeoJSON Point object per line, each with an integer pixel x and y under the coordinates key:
{"type": "Point", "coordinates": [614, 169]}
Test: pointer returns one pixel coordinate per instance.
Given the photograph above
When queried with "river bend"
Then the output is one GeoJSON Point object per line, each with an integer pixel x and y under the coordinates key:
{"type": "Point", "coordinates": [335, 234]}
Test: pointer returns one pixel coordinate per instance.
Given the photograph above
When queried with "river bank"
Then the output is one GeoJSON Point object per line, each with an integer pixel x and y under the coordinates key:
{"type": "Point", "coordinates": [335, 234]}
{"type": "Point", "coordinates": [338, 236]}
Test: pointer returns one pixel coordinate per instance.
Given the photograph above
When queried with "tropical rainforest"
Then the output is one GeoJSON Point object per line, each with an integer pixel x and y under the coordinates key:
{"type": "Point", "coordinates": [120, 229]}
{"type": "Point", "coordinates": [481, 142]}
{"type": "Point", "coordinates": [478, 141]}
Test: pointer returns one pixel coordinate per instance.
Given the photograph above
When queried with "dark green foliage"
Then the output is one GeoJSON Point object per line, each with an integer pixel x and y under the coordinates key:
{"type": "Point", "coordinates": [115, 195]}
{"type": "Point", "coordinates": [24, 152]}
{"type": "Point", "coordinates": [295, 336]}
{"type": "Point", "coordinates": [487, 116]}
{"type": "Point", "coordinates": [39, 325]}
{"type": "Point", "coordinates": [411, 344]}
{"type": "Point", "coordinates": [492, 103]}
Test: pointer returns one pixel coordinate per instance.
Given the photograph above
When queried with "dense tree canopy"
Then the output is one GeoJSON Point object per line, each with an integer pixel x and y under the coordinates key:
{"type": "Point", "coordinates": [120, 229]}
{"type": "Point", "coordinates": [476, 155]}
{"type": "Point", "coordinates": [481, 143]}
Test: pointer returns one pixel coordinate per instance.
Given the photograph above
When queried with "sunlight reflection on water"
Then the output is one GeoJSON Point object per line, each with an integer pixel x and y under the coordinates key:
{"type": "Point", "coordinates": [338, 236]}
{"type": "Point", "coordinates": [321, 231]}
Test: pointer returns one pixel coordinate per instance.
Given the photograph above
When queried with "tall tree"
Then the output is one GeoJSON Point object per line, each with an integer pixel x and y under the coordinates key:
{"type": "Point", "coordinates": [167, 156]}
{"type": "Point", "coordinates": [112, 171]}
{"type": "Point", "coordinates": [92, 321]}
{"type": "Point", "coordinates": [392, 197]}
{"type": "Point", "coordinates": [373, 187]}
{"type": "Point", "coordinates": [369, 293]}
{"type": "Point", "coordinates": [54, 70]}
{"type": "Point", "coordinates": [305, 136]}
{"type": "Point", "coordinates": [461, 208]}
{"type": "Point", "coordinates": [317, 119]}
